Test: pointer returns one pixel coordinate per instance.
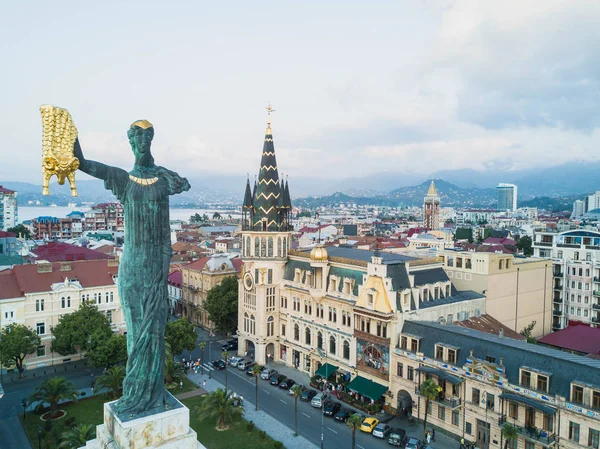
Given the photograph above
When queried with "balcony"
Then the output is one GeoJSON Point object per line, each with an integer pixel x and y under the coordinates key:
{"type": "Point", "coordinates": [592, 247]}
{"type": "Point", "coordinates": [543, 244]}
{"type": "Point", "coordinates": [596, 306]}
{"type": "Point", "coordinates": [596, 293]}
{"type": "Point", "coordinates": [596, 320]}
{"type": "Point", "coordinates": [569, 245]}
{"type": "Point", "coordinates": [532, 434]}
{"type": "Point", "coordinates": [448, 401]}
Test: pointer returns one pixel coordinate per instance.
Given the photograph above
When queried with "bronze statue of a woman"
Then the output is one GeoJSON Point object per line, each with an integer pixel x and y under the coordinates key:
{"type": "Point", "coordinates": [144, 266]}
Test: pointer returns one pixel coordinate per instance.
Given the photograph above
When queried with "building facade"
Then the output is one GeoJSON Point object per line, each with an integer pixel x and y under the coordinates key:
{"type": "Point", "coordinates": [9, 210]}
{"type": "Point", "coordinates": [105, 216]}
{"type": "Point", "coordinates": [488, 382]}
{"type": "Point", "coordinates": [507, 197]}
{"type": "Point", "coordinates": [431, 209]}
{"type": "Point", "coordinates": [38, 295]}
{"type": "Point", "coordinates": [518, 291]}
{"type": "Point", "coordinates": [576, 275]}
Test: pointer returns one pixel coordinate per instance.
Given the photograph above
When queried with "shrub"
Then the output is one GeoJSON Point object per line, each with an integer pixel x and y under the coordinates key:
{"type": "Point", "coordinates": [278, 445]}
{"type": "Point", "coordinates": [250, 426]}
{"type": "Point", "coordinates": [70, 422]}
{"type": "Point", "coordinates": [262, 434]}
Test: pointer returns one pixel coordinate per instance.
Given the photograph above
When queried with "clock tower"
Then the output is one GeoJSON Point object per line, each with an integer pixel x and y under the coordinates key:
{"type": "Point", "coordinates": [266, 238]}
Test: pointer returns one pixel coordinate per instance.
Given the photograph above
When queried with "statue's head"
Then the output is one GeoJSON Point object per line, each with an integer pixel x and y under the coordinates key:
{"type": "Point", "coordinates": [140, 136]}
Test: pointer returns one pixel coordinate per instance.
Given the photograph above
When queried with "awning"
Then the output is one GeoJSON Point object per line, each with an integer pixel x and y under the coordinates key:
{"type": "Point", "coordinates": [326, 370]}
{"type": "Point", "coordinates": [367, 388]}
{"type": "Point", "coordinates": [441, 374]}
{"type": "Point", "coordinates": [530, 402]}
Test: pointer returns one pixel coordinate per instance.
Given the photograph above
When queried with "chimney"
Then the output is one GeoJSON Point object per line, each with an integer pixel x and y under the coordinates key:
{"type": "Point", "coordinates": [44, 267]}
{"type": "Point", "coordinates": [65, 266]}
{"type": "Point", "coordinates": [501, 333]}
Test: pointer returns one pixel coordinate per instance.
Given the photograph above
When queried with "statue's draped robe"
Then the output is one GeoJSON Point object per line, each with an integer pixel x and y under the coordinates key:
{"type": "Point", "coordinates": [143, 286]}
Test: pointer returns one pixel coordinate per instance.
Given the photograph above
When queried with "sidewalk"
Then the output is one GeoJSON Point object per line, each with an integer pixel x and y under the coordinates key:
{"type": "Point", "coordinates": [274, 428]}
{"type": "Point", "coordinates": [49, 371]}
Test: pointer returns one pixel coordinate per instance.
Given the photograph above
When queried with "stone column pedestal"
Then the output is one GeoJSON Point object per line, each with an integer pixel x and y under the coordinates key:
{"type": "Point", "coordinates": [167, 430]}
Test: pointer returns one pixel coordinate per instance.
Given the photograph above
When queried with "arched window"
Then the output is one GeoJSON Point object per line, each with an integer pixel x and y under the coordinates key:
{"type": "Point", "coordinates": [278, 246]}
{"type": "Point", "coordinates": [252, 325]}
{"type": "Point", "coordinates": [335, 315]}
{"type": "Point", "coordinates": [263, 247]}
{"type": "Point", "coordinates": [307, 335]}
{"type": "Point", "coordinates": [332, 345]}
{"type": "Point", "coordinates": [384, 331]}
{"type": "Point", "coordinates": [270, 326]}
{"type": "Point", "coordinates": [346, 350]}
{"type": "Point", "coordinates": [270, 246]}
{"type": "Point", "coordinates": [246, 322]}
{"type": "Point", "coordinates": [319, 340]}
{"type": "Point", "coordinates": [247, 246]}
{"type": "Point", "coordinates": [285, 247]}
{"type": "Point", "coordinates": [348, 322]}
{"type": "Point", "coordinates": [343, 318]}
{"type": "Point", "coordinates": [256, 246]}
{"type": "Point", "coordinates": [330, 313]}
{"type": "Point", "coordinates": [296, 332]}
{"type": "Point", "coordinates": [310, 308]}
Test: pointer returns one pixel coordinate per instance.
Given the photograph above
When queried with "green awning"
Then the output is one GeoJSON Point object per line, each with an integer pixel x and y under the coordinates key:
{"type": "Point", "coordinates": [530, 402]}
{"type": "Point", "coordinates": [326, 370]}
{"type": "Point", "coordinates": [367, 388]}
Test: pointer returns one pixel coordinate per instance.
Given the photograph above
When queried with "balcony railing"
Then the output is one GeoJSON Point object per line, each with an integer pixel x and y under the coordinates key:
{"type": "Point", "coordinates": [596, 293]}
{"type": "Point", "coordinates": [596, 306]}
{"type": "Point", "coordinates": [543, 243]}
{"type": "Point", "coordinates": [533, 434]}
{"type": "Point", "coordinates": [568, 245]}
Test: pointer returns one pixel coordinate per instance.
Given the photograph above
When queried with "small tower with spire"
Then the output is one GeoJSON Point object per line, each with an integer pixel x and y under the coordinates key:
{"type": "Point", "coordinates": [431, 208]}
{"type": "Point", "coordinates": [266, 239]}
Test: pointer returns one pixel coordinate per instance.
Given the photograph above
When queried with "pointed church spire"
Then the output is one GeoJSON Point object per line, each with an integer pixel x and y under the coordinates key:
{"type": "Point", "coordinates": [286, 194]}
{"type": "Point", "coordinates": [432, 190]}
{"type": "Point", "coordinates": [247, 196]}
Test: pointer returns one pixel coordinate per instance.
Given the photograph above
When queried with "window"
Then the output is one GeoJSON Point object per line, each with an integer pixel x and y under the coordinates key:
{"type": "Point", "coordinates": [335, 315]}
{"type": "Point", "coordinates": [414, 345]}
{"type": "Point", "coordinates": [595, 399]}
{"type": "Point", "coordinates": [270, 247]}
{"type": "Point", "coordinates": [307, 336]}
{"type": "Point", "coordinates": [283, 330]}
{"type": "Point", "coordinates": [490, 359]}
{"type": "Point", "coordinates": [330, 313]}
{"type": "Point", "coordinates": [475, 395]}
{"type": "Point", "coordinates": [439, 352]}
{"type": "Point", "coordinates": [332, 345]}
{"type": "Point", "coordinates": [573, 431]}
{"type": "Point", "coordinates": [63, 302]}
{"type": "Point", "coordinates": [593, 438]}
{"type": "Point", "coordinates": [270, 276]}
{"type": "Point", "coordinates": [429, 408]}
{"type": "Point", "coordinates": [270, 326]}
{"type": "Point", "coordinates": [109, 316]}
{"type": "Point", "coordinates": [525, 378]}
{"type": "Point", "coordinates": [41, 351]}
{"type": "Point", "coordinates": [404, 343]}
{"type": "Point", "coordinates": [469, 428]}
{"type": "Point", "coordinates": [319, 340]}
{"type": "Point", "coordinates": [296, 332]}
{"type": "Point", "coordinates": [442, 413]}
{"type": "Point", "coordinates": [577, 394]}
{"type": "Point", "coordinates": [500, 264]}
{"type": "Point", "coordinates": [455, 417]}
{"type": "Point", "coordinates": [410, 373]}
{"type": "Point", "coordinates": [548, 423]}
{"type": "Point", "coordinates": [542, 383]}
{"type": "Point", "coordinates": [513, 410]}
{"type": "Point", "coordinates": [370, 300]}
{"type": "Point", "coordinates": [452, 356]}
{"type": "Point", "coordinates": [400, 369]}
{"type": "Point", "coordinates": [529, 445]}
{"type": "Point", "coordinates": [106, 298]}
{"type": "Point", "coordinates": [111, 297]}
{"type": "Point", "coordinates": [450, 319]}
{"type": "Point", "coordinates": [40, 328]}
{"type": "Point", "coordinates": [39, 305]}
{"type": "Point", "coordinates": [346, 350]}
{"type": "Point", "coordinates": [489, 401]}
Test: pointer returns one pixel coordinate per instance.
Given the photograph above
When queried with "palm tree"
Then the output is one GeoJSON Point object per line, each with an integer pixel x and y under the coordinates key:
{"type": "Point", "coordinates": [431, 391]}
{"type": "Point", "coordinates": [77, 436]}
{"type": "Point", "coordinates": [219, 405]}
{"type": "Point", "coordinates": [112, 380]}
{"type": "Point", "coordinates": [225, 356]}
{"type": "Point", "coordinates": [510, 434]}
{"type": "Point", "coordinates": [354, 422]}
{"type": "Point", "coordinates": [256, 372]}
{"type": "Point", "coordinates": [297, 390]}
{"type": "Point", "coordinates": [52, 391]}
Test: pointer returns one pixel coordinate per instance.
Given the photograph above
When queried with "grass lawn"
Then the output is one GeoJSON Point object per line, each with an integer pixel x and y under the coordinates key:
{"type": "Point", "coordinates": [188, 385]}
{"type": "Point", "coordinates": [88, 410]}
{"type": "Point", "coordinates": [237, 436]}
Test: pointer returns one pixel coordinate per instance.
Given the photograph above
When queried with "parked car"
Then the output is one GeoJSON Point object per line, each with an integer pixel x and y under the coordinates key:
{"type": "Point", "coordinates": [277, 379]}
{"type": "Point", "coordinates": [317, 401]}
{"type": "Point", "coordinates": [287, 384]}
{"type": "Point", "coordinates": [268, 373]}
{"type": "Point", "coordinates": [381, 430]}
{"type": "Point", "coordinates": [249, 371]}
{"type": "Point", "coordinates": [302, 390]}
{"type": "Point", "coordinates": [330, 408]}
{"type": "Point", "coordinates": [219, 364]}
{"type": "Point", "coordinates": [307, 395]}
{"type": "Point", "coordinates": [369, 424]}
{"type": "Point", "coordinates": [233, 361]}
{"type": "Point", "coordinates": [230, 345]}
{"type": "Point", "coordinates": [414, 443]}
{"type": "Point", "coordinates": [343, 415]}
{"type": "Point", "coordinates": [245, 364]}
{"type": "Point", "coordinates": [397, 437]}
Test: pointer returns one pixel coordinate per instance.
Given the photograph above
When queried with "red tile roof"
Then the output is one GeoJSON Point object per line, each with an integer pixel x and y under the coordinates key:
{"type": "Point", "coordinates": [26, 278]}
{"type": "Point", "coordinates": [499, 241]}
{"type": "Point", "coordinates": [237, 264]}
{"type": "Point", "coordinates": [580, 338]}
{"type": "Point", "coordinates": [197, 265]}
{"type": "Point", "coordinates": [5, 190]}
{"type": "Point", "coordinates": [4, 234]}
{"type": "Point", "coordinates": [59, 251]}
{"type": "Point", "coordinates": [490, 325]}
{"type": "Point", "coordinates": [175, 278]}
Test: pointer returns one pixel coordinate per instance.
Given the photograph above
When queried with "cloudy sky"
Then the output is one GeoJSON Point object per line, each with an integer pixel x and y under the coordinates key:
{"type": "Point", "coordinates": [358, 87]}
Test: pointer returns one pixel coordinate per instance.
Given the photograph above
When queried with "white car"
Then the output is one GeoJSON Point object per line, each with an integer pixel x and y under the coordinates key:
{"type": "Point", "coordinates": [233, 361]}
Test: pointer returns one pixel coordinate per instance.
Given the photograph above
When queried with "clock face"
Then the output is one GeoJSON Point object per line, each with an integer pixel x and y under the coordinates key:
{"type": "Point", "coordinates": [248, 281]}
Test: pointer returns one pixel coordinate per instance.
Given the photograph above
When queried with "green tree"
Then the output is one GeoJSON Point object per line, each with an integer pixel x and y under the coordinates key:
{"type": "Point", "coordinates": [256, 373]}
{"type": "Point", "coordinates": [219, 405]}
{"type": "Point", "coordinates": [173, 371]}
{"type": "Point", "coordinates": [430, 390]}
{"type": "Point", "coordinates": [354, 422]}
{"type": "Point", "coordinates": [21, 231]}
{"type": "Point", "coordinates": [111, 380]}
{"type": "Point", "coordinates": [216, 216]}
{"type": "Point", "coordinates": [510, 434]}
{"type": "Point", "coordinates": [80, 331]}
{"type": "Point", "coordinates": [222, 304]}
{"type": "Point", "coordinates": [524, 245]}
{"type": "Point", "coordinates": [77, 437]}
{"type": "Point", "coordinates": [196, 218]}
{"type": "Point", "coordinates": [526, 332]}
{"type": "Point", "coordinates": [181, 335]}
{"type": "Point", "coordinates": [16, 343]}
{"type": "Point", "coordinates": [109, 352]}
{"type": "Point", "coordinates": [52, 391]}
{"type": "Point", "coordinates": [297, 390]}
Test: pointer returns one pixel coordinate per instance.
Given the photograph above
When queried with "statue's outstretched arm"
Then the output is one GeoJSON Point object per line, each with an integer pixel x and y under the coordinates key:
{"type": "Point", "coordinates": [92, 168]}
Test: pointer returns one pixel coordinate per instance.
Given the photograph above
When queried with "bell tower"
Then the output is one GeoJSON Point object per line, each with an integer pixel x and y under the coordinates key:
{"type": "Point", "coordinates": [266, 238]}
{"type": "Point", "coordinates": [431, 209]}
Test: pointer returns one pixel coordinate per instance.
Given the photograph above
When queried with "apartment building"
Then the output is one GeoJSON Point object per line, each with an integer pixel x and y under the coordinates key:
{"type": "Point", "coordinates": [575, 258]}
{"type": "Point", "coordinates": [38, 295]}
{"type": "Point", "coordinates": [105, 216]}
{"type": "Point", "coordinates": [518, 290]}
{"type": "Point", "coordinates": [9, 211]}
{"type": "Point", "coordinates": [488, 381]}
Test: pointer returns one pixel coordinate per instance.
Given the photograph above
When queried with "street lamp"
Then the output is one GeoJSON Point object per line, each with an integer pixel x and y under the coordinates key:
{"type": "Point", "coordinates": [202, 345]}
{"type": "Point", "coordinates": [323, 356]}
{"type": "Point", "coordinates": [24, 402]}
